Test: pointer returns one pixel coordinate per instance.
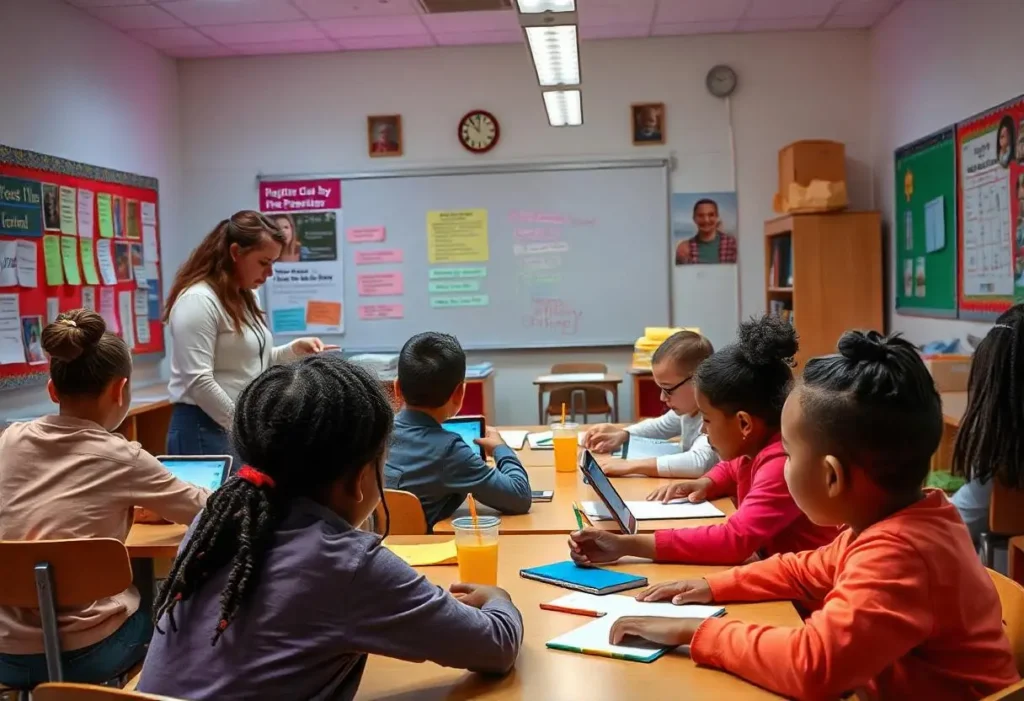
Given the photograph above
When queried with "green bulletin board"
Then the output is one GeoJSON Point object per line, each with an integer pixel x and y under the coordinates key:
{"type": "Point", "coordinates": [925, 238]}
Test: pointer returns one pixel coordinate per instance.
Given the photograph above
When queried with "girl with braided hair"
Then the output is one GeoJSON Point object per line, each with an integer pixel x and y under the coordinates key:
{"type": "Point", "coordinates": [275, 592]}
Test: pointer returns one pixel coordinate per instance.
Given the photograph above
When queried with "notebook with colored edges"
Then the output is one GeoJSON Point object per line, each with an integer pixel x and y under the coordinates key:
{"type": "Point", "coordinates": [592, 580]}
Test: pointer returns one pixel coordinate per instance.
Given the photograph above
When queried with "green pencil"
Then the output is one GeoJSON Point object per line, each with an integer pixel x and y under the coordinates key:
{"type": "Point", "coordinates": [579, 519]}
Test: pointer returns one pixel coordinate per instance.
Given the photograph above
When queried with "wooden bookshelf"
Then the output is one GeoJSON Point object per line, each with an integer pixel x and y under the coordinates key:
{"type": "Point", "coordinates": [832, 280]}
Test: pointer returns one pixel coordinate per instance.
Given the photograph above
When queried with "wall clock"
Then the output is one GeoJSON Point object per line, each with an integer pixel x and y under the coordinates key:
{"type": "Point", "coordinates": [479, 131]}
{"type": "Point", "coordinates": [721, 81]}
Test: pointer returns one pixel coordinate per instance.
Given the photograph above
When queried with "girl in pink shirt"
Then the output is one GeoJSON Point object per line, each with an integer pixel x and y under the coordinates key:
{"type": "Point", "coordinates": [740, 392]}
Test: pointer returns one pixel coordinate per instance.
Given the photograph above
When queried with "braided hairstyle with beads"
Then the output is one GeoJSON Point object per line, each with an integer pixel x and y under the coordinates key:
{"type": "Point", "coordinates": [990, 440]}
{"type": "Point", "coordinates": [304, 425]}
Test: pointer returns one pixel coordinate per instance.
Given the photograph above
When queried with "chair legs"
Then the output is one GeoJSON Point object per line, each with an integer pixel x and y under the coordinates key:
{"type": "Point", "coordinates": [48, 618]}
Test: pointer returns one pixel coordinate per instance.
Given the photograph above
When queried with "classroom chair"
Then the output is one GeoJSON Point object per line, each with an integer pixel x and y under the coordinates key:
{"type": "Point", "coordinates": [1005, 519]}
{"type": "Point", "coordinates": [60, 691]}
{"type": "Point", "coordinates": [1011, 599]}
{"type": "Point", "coordinates": [407, 517]}
{"type": "Point", "coordinates": [47, 575]}
{"type": "Point", "coordinates": [594, 401]}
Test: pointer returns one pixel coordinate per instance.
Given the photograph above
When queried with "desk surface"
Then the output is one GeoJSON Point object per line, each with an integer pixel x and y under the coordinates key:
{"type": "Point", "coordinates": [578, 378]}
{"type": "Point", "coordinates": [552, 675]}
{"type": "Point", "coordinates": [954, 404]}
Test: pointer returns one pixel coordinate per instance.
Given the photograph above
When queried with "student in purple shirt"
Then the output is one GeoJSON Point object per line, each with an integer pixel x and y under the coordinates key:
{"type": "Point", "coordinates": [275, 593]}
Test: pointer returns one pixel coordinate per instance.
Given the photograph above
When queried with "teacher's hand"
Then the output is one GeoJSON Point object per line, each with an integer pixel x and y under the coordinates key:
{"type": "Point", "coordinates": [308, 346]}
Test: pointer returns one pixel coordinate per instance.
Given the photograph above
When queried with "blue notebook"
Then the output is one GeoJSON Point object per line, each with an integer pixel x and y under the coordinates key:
{"type": "Point", "coordinates": [592, 580]}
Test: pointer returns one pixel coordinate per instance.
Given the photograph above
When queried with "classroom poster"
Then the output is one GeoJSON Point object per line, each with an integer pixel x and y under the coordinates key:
{"type": "Point", "coordinates": [715, 215]}
{"type": "Point", "coordinates": [991, 198]}
{"type": "Point", "coordinates": [309, 236]}
{"type": "Point", "coordinates": [457, 236]}
{"type": "Point", "coordinates": [306, 298]}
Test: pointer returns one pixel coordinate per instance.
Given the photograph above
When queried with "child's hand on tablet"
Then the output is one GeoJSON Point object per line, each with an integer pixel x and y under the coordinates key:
{"type": "Point", "coordinates": [491, 440]}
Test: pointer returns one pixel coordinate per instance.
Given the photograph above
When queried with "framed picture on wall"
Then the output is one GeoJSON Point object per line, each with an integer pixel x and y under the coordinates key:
{"type": "Point", "coordinates": [648, 123]}
{"type": "Point", "coordinates": [384, 135]}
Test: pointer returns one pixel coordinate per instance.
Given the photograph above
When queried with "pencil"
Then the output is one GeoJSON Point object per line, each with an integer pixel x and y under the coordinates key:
{"type": "Point", "coordinates": [579, 519]}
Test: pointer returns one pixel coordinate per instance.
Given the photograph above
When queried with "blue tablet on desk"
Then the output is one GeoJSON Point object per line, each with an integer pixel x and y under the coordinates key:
{"type": "Point", "coordinates": [469, 428]}
{"type": "Point", "coordinates": [209, 471]}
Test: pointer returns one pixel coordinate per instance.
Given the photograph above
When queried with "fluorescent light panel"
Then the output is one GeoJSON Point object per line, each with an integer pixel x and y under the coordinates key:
{"type": "Point", "coordinates": [555, 54]}
{"type": "Point", "coordinates": [564, 107]}
{"type": "Point", "coordinates": [529, 7]}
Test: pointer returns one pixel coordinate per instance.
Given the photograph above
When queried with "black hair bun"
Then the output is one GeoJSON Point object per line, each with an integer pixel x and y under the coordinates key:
{"type": "Point", "coordinates": [857, 346]}
{"type": "Point", "coordinates": [767, 340]}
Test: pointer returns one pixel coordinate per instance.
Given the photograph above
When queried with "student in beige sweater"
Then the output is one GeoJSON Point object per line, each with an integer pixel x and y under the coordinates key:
{"type": "Point", "coordinates": [67, 476]}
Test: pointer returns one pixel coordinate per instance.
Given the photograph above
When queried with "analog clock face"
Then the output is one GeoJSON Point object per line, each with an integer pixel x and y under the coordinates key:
{"type": "Point", "coordinates": [721, 81]}
{"type": "Point", "coordinates": [479, 131]}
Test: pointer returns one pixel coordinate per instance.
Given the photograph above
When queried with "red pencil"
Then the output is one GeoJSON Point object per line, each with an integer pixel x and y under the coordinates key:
{"type": "Point", "coordinates": [578, 612]}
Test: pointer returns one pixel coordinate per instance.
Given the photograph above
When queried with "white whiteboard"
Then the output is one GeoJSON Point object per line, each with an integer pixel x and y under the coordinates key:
{"type": "Point", "coordinates": [577, 254]}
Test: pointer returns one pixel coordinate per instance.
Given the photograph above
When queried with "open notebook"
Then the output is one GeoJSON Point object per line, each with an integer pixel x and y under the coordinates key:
{"type": "Point", "coordinates": [640, 448]}
{"type": "Point", "coordinates": [655, 510]}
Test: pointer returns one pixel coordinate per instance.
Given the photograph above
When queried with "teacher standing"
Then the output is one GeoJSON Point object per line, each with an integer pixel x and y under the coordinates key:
{"type": "Point", "coordinates": [219, 337]}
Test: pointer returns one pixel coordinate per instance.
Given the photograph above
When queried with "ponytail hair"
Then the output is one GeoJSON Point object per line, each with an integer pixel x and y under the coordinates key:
{"type": "Point", "coordinates": [84, 357]}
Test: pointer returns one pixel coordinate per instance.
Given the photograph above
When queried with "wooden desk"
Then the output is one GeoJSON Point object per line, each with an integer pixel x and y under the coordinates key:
{"type": "Point", "coordinates": [154, 541]}
{"type": "Point", "coordinates": [953, 406]}
{"type": "Point", "coordinates": [549, 383]}
{"type": "Point", "coordinates": [556, 676]}
{"type": "Point", "coordinates": [647, 402]}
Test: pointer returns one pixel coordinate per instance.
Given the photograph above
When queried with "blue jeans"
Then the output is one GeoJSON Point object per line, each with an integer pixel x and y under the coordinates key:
{"type": "Point", "coordinates": [193, 432]}
{"type": "Point", "coordinates": [95, 664]}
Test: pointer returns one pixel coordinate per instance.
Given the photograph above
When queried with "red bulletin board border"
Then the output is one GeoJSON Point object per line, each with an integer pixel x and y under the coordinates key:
{"type": "Point", "coordinates": [988, 307]}
{"type": "Point", "coordinates": [29, 165]}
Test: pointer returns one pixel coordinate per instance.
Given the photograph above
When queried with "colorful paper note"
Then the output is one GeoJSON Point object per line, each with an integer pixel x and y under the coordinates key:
{"type": "Point", "coordinates": [454, 286]}
{"type": "Point", "coordinates": [107, 310]}
{"type": "Point", "coordinates": [456, 273]}
{"type": "Point", "coordinates": [89, 298]}
{"type": "Point", "coordinates": [8, 263]}
{"type": "Point", "coordinates": [68, 208]}
{"type": "Point", "coordinates": [85, 213]}
{"type": "Point", "coordinates": [385, 255]}
{"type": "Point", "coordinates": [376, 312]}
{"type": "Point", "coordinates": [459, 301]}
{"type": "Point", "coordinates": [422, 554]}
{"type": "Point", "coordinates": [11, 349]}
{"type": "Point", "coordinates": [289, 320]}
{"type": "Point", "coordinates": [325, 313]}
{"type": "Point", "coordinates": [106, 260]}
{"type": "Point", "coordinates": [105, 215]}
{"type": "Point", "coordinates": [28, 266]}
{"type": "Point", "coordinates": [53, 308]}
{"type": "Point", "coordinates": [380, 284]}
{"type": "Point", "coordinates": [51, 260]}
{"type": "Point", "coordinates": [365, 234]}
{"type": "Point", "coordinates": [88, 262]}
{"type": "Point", "coordinates": [69, 254]}
{"type": "Point", "coordinates": [125, 307]}
{"type": "Point", "coordinates": [141, 281]}
{"type": "Point", "coordinates": [457, 236]}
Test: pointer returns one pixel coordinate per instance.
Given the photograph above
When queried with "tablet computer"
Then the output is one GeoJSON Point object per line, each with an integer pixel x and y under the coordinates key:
{"type": "Point", "coordinates": [470, 428]}
{"type": "Point", "coordinates": [606, 492]}
{"type": "Point", "coordinates": [209, 471]}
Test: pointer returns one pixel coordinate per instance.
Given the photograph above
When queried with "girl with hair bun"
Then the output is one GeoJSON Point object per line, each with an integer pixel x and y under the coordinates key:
{"type": "Point", "coordinates": [740, 392]}
{"type": "Point", "coordinates": [67, 476]}
{"type": "Point", "coordinates": [904, 608]}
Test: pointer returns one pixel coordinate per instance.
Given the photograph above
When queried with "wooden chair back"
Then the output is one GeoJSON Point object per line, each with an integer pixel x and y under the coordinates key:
{"type": "Point", "coordinates": [83, 570]}
{"type": "Point", "coordinates": [61, 691]}
{"type": "Point", "coordinates": [597, 399]}
{"type": "Point", "coordinates": [1010, 693]}
{"type": "Point", "coordinates": [407, 517]}
{"type": "Point", "coordinates": [1011, 599]}
{"type": "Point", "coordinates": [1006, 510]}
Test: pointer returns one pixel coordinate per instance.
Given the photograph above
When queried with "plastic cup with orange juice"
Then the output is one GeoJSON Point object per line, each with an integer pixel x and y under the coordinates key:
{"type": "Point", "coordinates": [476, 546]}
{"type": "Point", "coordinates": [565, 438]}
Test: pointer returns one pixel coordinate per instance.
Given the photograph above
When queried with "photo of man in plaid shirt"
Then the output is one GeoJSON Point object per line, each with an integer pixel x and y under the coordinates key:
{"type": "Point", "coordinates": [709, 245]}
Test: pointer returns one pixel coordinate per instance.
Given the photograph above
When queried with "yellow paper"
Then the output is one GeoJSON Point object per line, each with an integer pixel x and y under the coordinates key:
{"type": "Point", "coordinates": [69, 251]}
{"type": "Point", "coordinates": [425, 553]}
{"type": "Point", "coordinates": [457, 236]}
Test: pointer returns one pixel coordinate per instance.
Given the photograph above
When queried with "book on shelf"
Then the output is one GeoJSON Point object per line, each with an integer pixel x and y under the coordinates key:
{"type": "Point", "coordinates": [780, 273]}
{"type": "Point", "coordinates": [782, 309]}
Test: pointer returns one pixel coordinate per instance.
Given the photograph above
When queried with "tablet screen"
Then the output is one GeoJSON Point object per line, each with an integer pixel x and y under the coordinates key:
{"type": "Point", "coordinates": [468, 430]}
{"type": "Point", "coordinates": [609, 495]}
{"type": "Point", "coordinates": [205, 472]}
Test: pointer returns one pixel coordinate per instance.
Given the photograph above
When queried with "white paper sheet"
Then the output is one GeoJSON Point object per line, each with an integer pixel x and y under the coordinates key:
{"type": "Point", "coordinates": [89, 298]}
{"type": "Point", "coordinates": [107, 310]}
{"type": "Point", "coordinates": [105, 259]}
{"type": "Point", "coordinates": [53, 308]}
{"type": "Point", "coordinates": [125, 307]}
{"type": "Point", "coordinates": [149, 213]}
{"type": "Point", "coordinates": [619, 605]}
{"type": "Point", "coordinates": [655, 510]}
{"type": "Point", "coordinates": [28, 263]}
{"type": "Point", "coordinates": [573, 377]}
{"type": "Point", "coordinates": [514, 439]}
{"type": "Point", "coordinates": [142, 317]}
{"type": "Point", "coordinates": [86, 209]}
{"type": "Point", "coordinates": [11, 348]}
{"type": "Point", "coordinates": [150, 250]}
{"type": "Point", "coordinates": [641, 448]}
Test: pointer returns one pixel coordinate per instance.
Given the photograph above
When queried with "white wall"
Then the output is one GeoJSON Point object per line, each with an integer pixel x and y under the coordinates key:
{"type": "Point", "coordinates": [936, 62]}
{"type": "Point", "coordinates": [306, 114]}
{"type": "Point", "coordinates": [75, 88]}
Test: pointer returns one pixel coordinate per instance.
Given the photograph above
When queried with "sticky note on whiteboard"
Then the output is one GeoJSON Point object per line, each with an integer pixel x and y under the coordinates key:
{"type": "Point", "coordinates": [365, 234]}
{"type": "Point", "coordinates": [380, 284]}
{"type": "Point", "coordinates": [376, 312]}
{"type": "Point", "coordinates": [324, 313]}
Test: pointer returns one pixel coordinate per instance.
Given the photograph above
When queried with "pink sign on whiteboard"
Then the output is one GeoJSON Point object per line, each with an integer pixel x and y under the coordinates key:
{"type": "Point", "coordinates": [383, 255]}
{"type": "Point", "coordinates": [375, 312]}
{"type": "Point", "coordinates": [365, 234]}
{"type": "Point", "coordinates": [380, 284]}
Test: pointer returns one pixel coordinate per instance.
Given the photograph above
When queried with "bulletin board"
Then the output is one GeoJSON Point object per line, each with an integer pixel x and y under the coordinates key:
{"type": "Point", "coordinates": [925, 228]}
{"type": "Point", "coordinates": [74, 235]}
{"type": "Point", "coordinates": [990, 191]}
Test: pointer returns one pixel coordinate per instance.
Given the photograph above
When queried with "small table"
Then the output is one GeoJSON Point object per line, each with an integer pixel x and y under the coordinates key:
{"type": "Point", "coordinates": [954, 404]}
{"type": "Point", "coordinates": [583, 380]}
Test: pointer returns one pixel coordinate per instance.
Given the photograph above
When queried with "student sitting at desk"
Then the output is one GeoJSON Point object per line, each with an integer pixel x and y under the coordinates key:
{"type": "Point", "coordinates": [67, 476]}
{"type": "Point", "coordinates": [740, 392]}
{"type": "Point", "coordinates": [673, 365]}
{"type": "Point", "coordinates": [906, 609]}
{"type": "Point", "coordinates": [276, 593]}
{"type": "Point", "coordinates": [437, 465]}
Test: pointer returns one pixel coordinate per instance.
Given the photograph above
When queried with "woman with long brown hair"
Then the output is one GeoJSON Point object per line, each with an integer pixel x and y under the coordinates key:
{"type": "Point", "coordinates": [219, 336]}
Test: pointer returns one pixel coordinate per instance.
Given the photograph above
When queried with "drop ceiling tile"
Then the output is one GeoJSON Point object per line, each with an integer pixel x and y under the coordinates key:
{"type": "Point", "coordinates": [407, 41]}
{"type": "Point", "coordinates": [458, 22]}
{"type": "Point", "coordinates": [264, 32]}
{"type": "Point", "coordinates": [689, 11]}
{"type": "Point", "coordinates": [286, 47]}
{"type": "Point", "coordinates": [686, 28]}
{"type": "Point", "coordinates": [864, 7]}
{"type": "Point", "coordinates": [476, 38]}
{"type": "Point", "coordinates": [779, 25]}
{"type": "Point", "coordinates": [135, 17]}
{"type": "Point", "coordinates": [851, 21]}
{"type": "Point", "coordinates": [203, 12]}
{"type": "Point", "coordinates": [106, 3]}
{"type": "Point", "coordinates": [170, 38]}
{"type": "Point", "coordinates": [214, 51]}
{"type": "Point", "coordinates": [615, 31]}
{"type": "Point", "coordinates": [330, 9]}
{"type": "Point", "coordinates": [784, 9]}
{"type": "Point", "coordinates": [373, 27]}
{"type": "Point", "coordinates": [595, 13]}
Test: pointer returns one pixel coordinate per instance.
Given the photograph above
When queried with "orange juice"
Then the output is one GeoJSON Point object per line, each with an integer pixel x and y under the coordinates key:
{"type": "Point", "coordinates": [565, 452]}
{"type": "Point", "coordinates": [478, 562]}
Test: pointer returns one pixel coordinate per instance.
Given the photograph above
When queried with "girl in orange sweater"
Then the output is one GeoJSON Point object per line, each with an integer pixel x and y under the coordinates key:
{"type": "Point", "coordinates": [907, 611]}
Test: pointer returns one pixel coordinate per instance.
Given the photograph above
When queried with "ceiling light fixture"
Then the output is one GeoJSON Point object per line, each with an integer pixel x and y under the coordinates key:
{"type": "Point", "coordinates": [555, 52]}
{"type": "Point", "coordinates": [529, 7]}
{"type": "Point", "coordinates": [564, 107]}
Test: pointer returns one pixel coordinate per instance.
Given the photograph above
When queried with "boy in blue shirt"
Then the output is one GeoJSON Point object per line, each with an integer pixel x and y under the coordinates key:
{"type": "Point", "coordinates": [437, 465]}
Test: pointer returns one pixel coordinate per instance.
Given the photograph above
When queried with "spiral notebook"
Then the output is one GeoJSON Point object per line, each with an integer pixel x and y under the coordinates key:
{"type": "Point", "coordinates": [593, 580]}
